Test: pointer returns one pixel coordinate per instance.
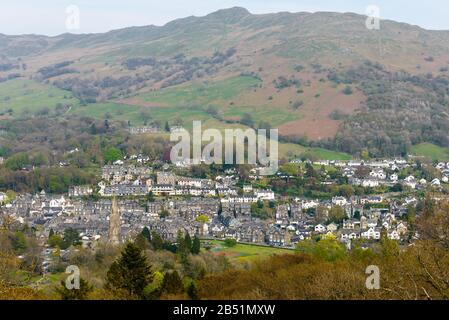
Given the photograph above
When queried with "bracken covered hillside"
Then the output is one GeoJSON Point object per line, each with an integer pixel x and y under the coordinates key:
{"type": "Point", "coordinates": [318, 77]}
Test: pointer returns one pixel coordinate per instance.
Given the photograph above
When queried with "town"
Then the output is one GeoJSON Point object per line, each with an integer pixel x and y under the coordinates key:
{"type": "Point", "coordinates": [372, 199]}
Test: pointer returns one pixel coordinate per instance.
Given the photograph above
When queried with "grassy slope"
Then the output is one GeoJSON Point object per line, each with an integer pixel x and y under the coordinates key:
{"type": "Point", "coordinates": [431, 151]}
{"type": "Point", "coordinates": [188, 103]}
{"type": "Point", "coordinates": [246, 252]}
{"type": "Point", "coordinates": [205, 93]}
{"type": "Point", "coordinates": [290, 150]}
{"type": "Point", "coordinates": [23, 95]}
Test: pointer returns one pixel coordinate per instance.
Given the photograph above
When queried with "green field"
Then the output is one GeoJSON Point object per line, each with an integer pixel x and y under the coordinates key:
{"type": "Point", "coordinates": [430, 151]}
{"type": "Point", "coordinates": [201, 94]}
{"type": "Point", "coordinates": [117, 111]}
{"type": "Point", "coordinates": [291, 150]}
{"type": "Point", "coordinates": [23, 96]}
{"type": "Point", "coordinates": [324, 154]}
{"type": "Point", "coordinates": [273, 115]}
{"type": "Point", "coordinates": [245, 252]}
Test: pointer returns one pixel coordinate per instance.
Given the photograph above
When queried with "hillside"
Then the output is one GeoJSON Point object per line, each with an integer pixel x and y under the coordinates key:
{"type": "Point", "coordinates": [304, 73]}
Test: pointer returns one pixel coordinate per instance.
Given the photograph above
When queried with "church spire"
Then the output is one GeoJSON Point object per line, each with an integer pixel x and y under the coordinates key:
{"type": "Point", "coordinates": [114, 224]}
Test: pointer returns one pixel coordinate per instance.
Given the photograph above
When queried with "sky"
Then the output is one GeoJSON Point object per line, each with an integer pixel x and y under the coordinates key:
{"type": "Point", "coordinates": [52, 17]}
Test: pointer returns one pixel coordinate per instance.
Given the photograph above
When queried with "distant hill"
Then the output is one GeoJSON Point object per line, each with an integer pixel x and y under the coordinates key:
{"type": "Point", "coordinates": [320, 77]}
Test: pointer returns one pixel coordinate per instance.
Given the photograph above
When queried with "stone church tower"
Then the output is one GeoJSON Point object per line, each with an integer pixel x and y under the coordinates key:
{"type": "Point", "coordinates": [114, 224]}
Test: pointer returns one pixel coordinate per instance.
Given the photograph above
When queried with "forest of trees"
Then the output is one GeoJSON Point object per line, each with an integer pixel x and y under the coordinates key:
{"type": "Point", "coordinates": [401, 110]}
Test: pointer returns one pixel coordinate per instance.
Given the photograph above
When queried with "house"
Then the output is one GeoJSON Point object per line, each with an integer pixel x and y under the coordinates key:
{"type": "Point", "coordinates": [378, 174]}
{"type": "Point", "coordinates": [351, 224]}
{"type": "Point", "coordinates": [372, 200]}
{"type": "Point", "coordinates": [165, 178]}
{"type": "Point", "coordinates": [410, 181]}
{"type": "Point", "coordinates": [162, 189]}
{"type": "Point", "coordinates": [402, 228]}
{"type": "Point", "coordinates": [332, 227]}
{"type": "Point", "coordinates": [278, 237]}
{"type": "Point", "coordinates": [394, 177]}
{"type": "Point", "coordinates": [371, 234]}
{"type": "Point", "coordinates": [264, 195]}
{"type": "Point", "coordinates": [143, 130]}
{"type": "Point", "coordinates": [80, 191]}
{"type": "Point", "coordinates": [3, 197]}
{"type": "Point", "coordinates": [435, 183]}
{"type": "Point", "coordinates": [393, 235]}
{"type": "Point", "coordinates": [339, 201]}
{"type": "Point", "coordinates": [320, 228]}
{"type": "Point", "coordinates": [370, 183]}
{"type": "Point", "coordinates": [440, 166]}
{"type": "Point", "coordinates": [349, 235]}
{"type": "Point", "coordinates": [308, 204]}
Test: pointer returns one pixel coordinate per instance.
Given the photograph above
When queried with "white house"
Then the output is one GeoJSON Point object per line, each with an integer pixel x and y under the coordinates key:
{"type": "Point", "coordinates": [370, 183]}
{"type": "Point", "coordinates": [349, 235]}
{"type": "Point", "coordinates": [309, 204]}
{"type": "Point", "coordinates": [3, 197]}
{"type": "Point", "coordinates": [320, 228]}
{"type": "Point", "coordinates": [435, 183]}
{"type": "Point", "coordinates": [378, 174]}
{"type": "Point", "coordinates": [394, 177]}
{"type": "Point", "coordinates": [339, 201]}
{"type": "Point", "coordinates": [371, 233]}
{"type": "Point", "coordinates": [393, 235]}
{"type": "Point", "coordinates": [264, 195]}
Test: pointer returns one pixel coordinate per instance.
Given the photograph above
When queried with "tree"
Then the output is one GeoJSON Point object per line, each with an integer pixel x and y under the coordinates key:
{"type": "Point", "coordinates": [202, 218]}
{"type": "Point", "coordinates": [130, 274]}
{"type": "Point", "coordinates": [182, 249]}
{"type": "Point", "coordinates": [75, 294]}
{"type": "Point", "coordinates": [142, 242]}
{"type": "Point", "coordinates": [337, 214]}
{"type": "Point", "coordinates": [348, 90]}
{"type": "Point", "coordinates": [150, 197]}
{"type": "Point", "coordinates": [164, 214]}
{"type": "Point", "coordinates": [188, 242]}
{"type": "Point", "coordinates": [56, 241]}
{"type": "Point", "coordinates": [196, 245]}
{"type": "Point", "coordinates": [172, 283]}
{"type": "Point", "coordinates": [310, 171]}
{"type": "Point", "coordinates": [230, 243]}
{"type": "Point", "coordinates": [112, 154]}
{"type": "Point", "coordinates": [192, 291]}
{"type": "Point", "coordinates": [364, 154]}
{"type": "Point", "coordinates": [247, 120]}
{"type": "Point", "coordinates": [19, 242]}
{"type": "Point", "coordinates": [71, 238]}
{"type": "Point", "coordinates": [156, 241]}
{"type": "Point", "coordinates": [146, 233]}
{"type": "Point", "coordinates": [328, 249]}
